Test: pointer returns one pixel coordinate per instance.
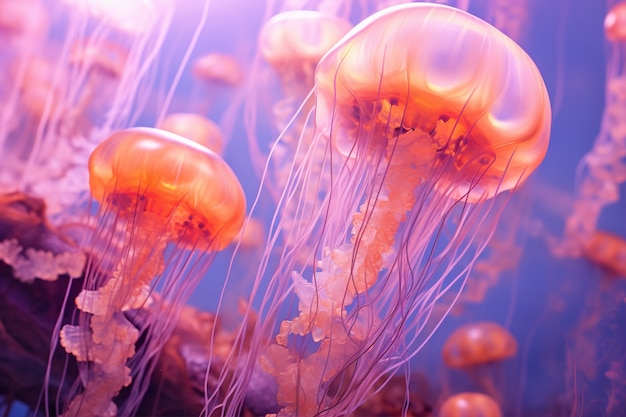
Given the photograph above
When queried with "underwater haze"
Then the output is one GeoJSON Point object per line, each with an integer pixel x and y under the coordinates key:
{"type": "Point", "coordinates": [320, 207]}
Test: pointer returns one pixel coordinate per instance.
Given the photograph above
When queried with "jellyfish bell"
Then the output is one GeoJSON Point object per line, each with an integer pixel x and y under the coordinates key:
{"type": "Point", "coordinates": [219, 68]}
{"type": "Point", "coordinates": [197, 128]}
{"type": "Point", "coordinates": [615, 23]}
{"type": "Point", "coordinates": [167, 202]}
{"type": "Point", "coordinates": [478, 349]}
{"type": "Point", "coordinates": [293, 42]}
{"type": "Point", "coordinates": [478, 343]}
{"type": "Point", "coordinates": [174, 177]}
{"type": "Point", "coordinates": [475, 91]}
{"type": "Point", "coordinates": [469, 404]}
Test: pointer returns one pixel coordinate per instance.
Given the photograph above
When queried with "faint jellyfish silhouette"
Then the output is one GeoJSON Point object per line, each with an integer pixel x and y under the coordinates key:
{"type": "Point", "coordinates": [607, 250]}
{"type": "Point", "coordinates": [252, 236]}
{"type": "Point", "coordinates": [478, 343]}
{"type": "Point", "coordinates": [293, 43]}
{"type": "Point", "coordinates": [218, 68]}
{"type": "Point", "coordinates": [431, 113]}
{"type": "Point", "coordinates": [474, 346]}
{"type": "Point", "coordinates": [603, 169]}
{"type": "Point", "coordinates": [510, 17]}
{"type": "Point", "coordinates": [469, 404]}
{"type": "Point", "coordinates": [167, 205]}
{"type": "Point", "coordinates": [197, 128]}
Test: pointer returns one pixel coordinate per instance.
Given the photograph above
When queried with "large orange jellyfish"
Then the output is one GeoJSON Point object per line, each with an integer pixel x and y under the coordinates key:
{"type": "Point", "coordinates": [165, 202]}
{"type": "Point", "coordinates": [431, 113]}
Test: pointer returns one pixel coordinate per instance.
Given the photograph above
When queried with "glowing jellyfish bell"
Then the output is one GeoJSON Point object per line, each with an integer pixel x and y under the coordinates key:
{"type": "Point", "coordinates": [165, 202]}
{"type": "Point", "coordinates": [615, 23]}
{"type": "Point", "coordinates": [478, 343]}
{"type": "Point", "coordinates": [219, 68]}
{"type": "Point", "coordinates": [469, 404]}
{"type": "Point", "coordinates": [293, 42]}
{"type": "Point", "coordinates": [492, 106]}
{"type": "Point", "coordinates": [474, 347]}
{"type": "Point", "coordinates": [431, 112]}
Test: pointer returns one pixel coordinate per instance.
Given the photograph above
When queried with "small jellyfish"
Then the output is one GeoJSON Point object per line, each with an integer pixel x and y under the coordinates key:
{"type": "Point", "coordinates": [615, 23]}
{"type": "Point", "coordinates": [197, 128]}
{"type": "Point", "coordinates": [252, 236]}
{"type": "Point", "coordinates": [165, 201]}
{"type": "Point", "coordinates": [475, 347]}
{"type": "Point", "coordinates": [218, 68]}
{"type": "Point", "coordinates": [607, 250]}
{"type": "Point", "coordinates": [293, 43]}
{"type": "Point", "coordinates": [427, 114]}
{"type": "Point", "coordinates": [478, 343]}
{"type": "Point", "coordinates": [469, 404]}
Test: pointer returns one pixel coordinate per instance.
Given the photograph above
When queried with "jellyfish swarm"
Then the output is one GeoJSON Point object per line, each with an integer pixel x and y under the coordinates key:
{"type": "Point", "coordinates": [165, 201]}
{"type": "Point", "coordinates": [603, 169]}
{"type": "Point", "coordinates": [432, 113]}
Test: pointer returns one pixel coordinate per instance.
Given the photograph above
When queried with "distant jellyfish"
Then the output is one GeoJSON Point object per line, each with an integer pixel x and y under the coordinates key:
{"type": "Point", "coordinates": [218, 68]}
{"type": "Point", "coordinates": [474, 346]}
{"type": "Point", "coordinates": [293, 43]}
{"type": "Point", "coordinates": [428, 114]}
{"type": "Point", "coordinates": [108, 59]}
{"type": "Point", "coordinates": [197, 128]}
{"type": "Point", "coordinates": [252, 236]}
{"type": "Point", "coordinates": [602, 170]}
{"type": "Point", "coordinates": [477, 344]}
{"type": "Point", "coordinates": [607, 250]}
{"type": "Point", "coordinates": [167, 205]}
{"type": "Point", "coordinates": [469, 404]}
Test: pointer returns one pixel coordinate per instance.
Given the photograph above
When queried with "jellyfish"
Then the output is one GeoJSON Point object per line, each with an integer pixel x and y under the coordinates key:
{"type": "Point", "coordinates": [607, 250]}
{"type": "Point", "coordinates": [470, 404]}
{"type": "Point", "coordinates": [197, 128]}
{"type": "Point", "coordinates": [218, 68]}
{"type": "Point", "coordinates": [603, 169]}
{"type": "Point", "coordinates": [292, 43]}
{"type": "Point", "coordinates": [428, 115]}
{"type": "Point", "coordinates": [476, 345]}
{"type": "Point", "coordinates": [165, 202]}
